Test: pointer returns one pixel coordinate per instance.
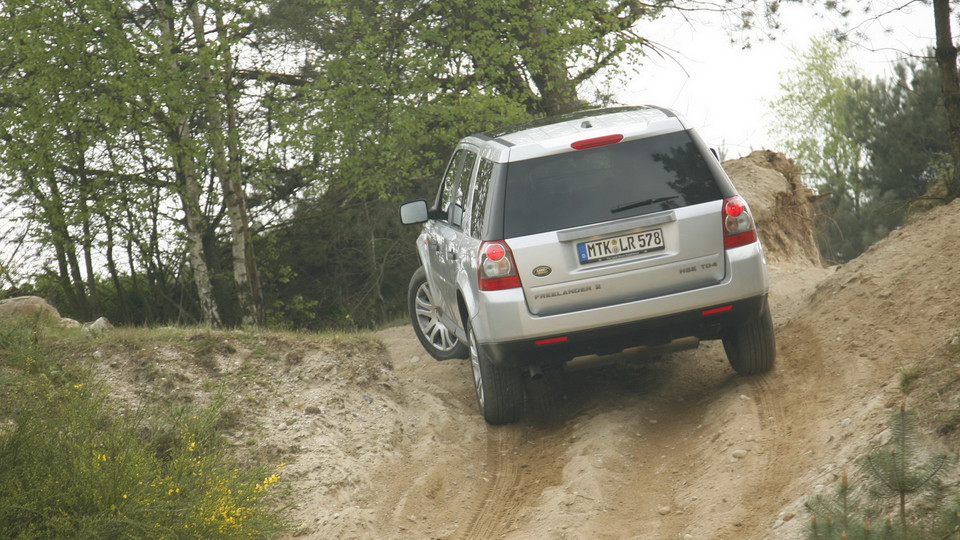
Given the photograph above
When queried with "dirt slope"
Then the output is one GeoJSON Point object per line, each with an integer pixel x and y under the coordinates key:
{"type": "Point", "coordinates": [384, 442]}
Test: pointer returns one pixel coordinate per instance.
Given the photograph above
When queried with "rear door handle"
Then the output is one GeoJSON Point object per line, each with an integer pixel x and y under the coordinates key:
{"type": "Point", "coordinates": [452, 255]}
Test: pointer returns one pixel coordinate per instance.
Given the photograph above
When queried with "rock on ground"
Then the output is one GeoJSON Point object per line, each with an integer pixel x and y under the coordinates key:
{"type": "Point", "coordinates": [27, 306]}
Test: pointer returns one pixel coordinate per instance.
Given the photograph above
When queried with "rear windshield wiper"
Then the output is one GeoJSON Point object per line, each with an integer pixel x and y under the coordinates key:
{"type": "Point", "coordinates": [638, 204]}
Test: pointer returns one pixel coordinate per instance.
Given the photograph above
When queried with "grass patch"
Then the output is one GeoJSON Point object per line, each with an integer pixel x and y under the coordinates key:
{"type": "Point", "coordinates": [73, 468]}
{"type": "Point", "coordinates": [908, 375]}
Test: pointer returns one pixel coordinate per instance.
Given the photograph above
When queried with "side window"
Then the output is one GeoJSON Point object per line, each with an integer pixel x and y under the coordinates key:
{"type": "Point", "coordinates": [449, 181]}
{"type": "Point", "coordinates": [478, 204]}
{"type": "Point", "coordinates": [460, 201]}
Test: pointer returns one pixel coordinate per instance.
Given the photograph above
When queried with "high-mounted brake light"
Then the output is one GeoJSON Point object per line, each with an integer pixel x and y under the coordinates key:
{"type": "Point", "coordinates": [738, 226]}
{"type": "Point", "coordinates": [595, 142]}
{"type": "Point", "coordinates": [497, 270]}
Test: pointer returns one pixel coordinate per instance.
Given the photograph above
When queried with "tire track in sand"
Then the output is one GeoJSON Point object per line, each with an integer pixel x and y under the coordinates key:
{"type": "Point", "coordinates": [504, 496]}
{"type": "Point", "coordinates": [784, 405]}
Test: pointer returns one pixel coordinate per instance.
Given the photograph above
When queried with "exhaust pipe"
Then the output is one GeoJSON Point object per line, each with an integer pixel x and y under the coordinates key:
{"type": "Point", "coordinates": [535, 373]}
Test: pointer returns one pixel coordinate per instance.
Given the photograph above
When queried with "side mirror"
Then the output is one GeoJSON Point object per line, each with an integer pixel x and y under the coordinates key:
{"type": "Point", "coordinates": [414, 212]}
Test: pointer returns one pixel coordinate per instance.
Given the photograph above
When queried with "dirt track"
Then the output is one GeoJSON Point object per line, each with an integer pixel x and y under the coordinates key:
{"type": "Point", "coordinates": [639, 448]}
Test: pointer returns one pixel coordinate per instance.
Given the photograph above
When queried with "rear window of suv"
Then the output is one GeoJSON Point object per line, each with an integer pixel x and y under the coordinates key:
{"type": "Point", "coordinates": [622, 180]}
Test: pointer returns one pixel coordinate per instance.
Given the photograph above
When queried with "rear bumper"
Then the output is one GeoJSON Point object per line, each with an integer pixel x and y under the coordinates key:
{"type": "Point", "coordinates": [700, 323]}
{"type": "Point", "coordinates": [508, 333]}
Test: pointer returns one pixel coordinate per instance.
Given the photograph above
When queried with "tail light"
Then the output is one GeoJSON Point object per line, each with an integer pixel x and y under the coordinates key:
{"type": "Point", "coordinates": [738, 227]}
{"type": "Point", "coordinates": [497, 271]}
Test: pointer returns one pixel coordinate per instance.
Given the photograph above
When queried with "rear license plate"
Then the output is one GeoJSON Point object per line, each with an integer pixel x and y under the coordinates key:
{"type": "Point", "coordinates": [618, 247]}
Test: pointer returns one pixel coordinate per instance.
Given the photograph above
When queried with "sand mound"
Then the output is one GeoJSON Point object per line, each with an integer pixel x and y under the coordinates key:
{"type": "Point", "coordinates": [771, 184]}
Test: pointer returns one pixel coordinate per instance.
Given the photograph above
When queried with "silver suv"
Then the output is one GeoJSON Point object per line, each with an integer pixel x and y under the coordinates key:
{"type": "Point", "coordinates": [585, 234]}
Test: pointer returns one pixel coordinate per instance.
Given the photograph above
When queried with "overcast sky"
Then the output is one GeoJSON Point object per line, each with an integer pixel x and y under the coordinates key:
{"type": "Point", "coordinates": [722, 88]}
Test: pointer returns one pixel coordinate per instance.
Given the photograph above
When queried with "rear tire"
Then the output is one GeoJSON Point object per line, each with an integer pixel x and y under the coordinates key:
{"type": "Point", "coordinates": [499, 389]}
{"type": "Point", "coordinates": [750, 347]}
{"type": "Point", "coordinates": [435, 337]}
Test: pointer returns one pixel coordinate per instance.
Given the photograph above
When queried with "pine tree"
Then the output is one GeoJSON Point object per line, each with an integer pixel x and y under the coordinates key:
{"type": "Point", "coordinates": [838, 516]}
{"type": "Point", "coordinates": [897, 470]}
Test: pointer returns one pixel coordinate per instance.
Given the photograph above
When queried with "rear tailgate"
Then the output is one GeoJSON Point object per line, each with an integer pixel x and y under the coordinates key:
{"type": "Point", "coordinates": [621, 261]}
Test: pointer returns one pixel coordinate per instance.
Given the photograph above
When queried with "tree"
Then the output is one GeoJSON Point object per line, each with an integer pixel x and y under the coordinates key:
{"type": "Point", "coordinates": [535, 52]}
{"type": "Point", "coordinates": [106, 107]}
{"type": "Point", "coordinates": [815, 120]}
{"type": "Point", "coordinates": [178, 129]}
{"type": "Point", "coordinates": [539, 52]}
{"type": "Point", "coordinates": [821, 124]}
{"type": "Point", "coordinates": [894, 133]}
{"type": "Point", "coordinates": [52, 125]}
{"type": "Point", "coordinates": [227, 158]}
{"type": "Point", "coordinates": [898, 470]}
{"type": "Point", "coordinates": [908, 138]}
{"type": "Point", "coordinates": [946, 55]}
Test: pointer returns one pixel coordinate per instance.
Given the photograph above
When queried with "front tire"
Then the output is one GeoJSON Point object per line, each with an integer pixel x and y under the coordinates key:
{"type": "Point", "coordinates": [750, 347]}
{"type": "Point", "coordinates": [499, 389]}
{"type": "Point", "coordinates": [435, 337]}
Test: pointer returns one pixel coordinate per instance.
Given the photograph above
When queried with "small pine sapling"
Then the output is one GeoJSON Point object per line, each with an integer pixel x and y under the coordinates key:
{"type": "Point", "coordinates": [837, 516]}
{"type": "Point", "coordinates": [897, 470]}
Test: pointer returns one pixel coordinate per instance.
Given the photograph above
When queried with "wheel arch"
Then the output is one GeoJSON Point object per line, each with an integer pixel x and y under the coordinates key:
{"type": "Point", "coordinates": [463, 311]}
{"type": "Point", "coordinates": [466, 300]}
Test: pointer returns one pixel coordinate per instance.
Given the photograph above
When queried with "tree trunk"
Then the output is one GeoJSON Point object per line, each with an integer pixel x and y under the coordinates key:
{"type": "Point", "coordinates": [228, 173]}
{"type": "Point", "coordinates": [94, 302]}
{"type": "Point", "coordinates": [52, 217]}
{"type": "Point", "coordinates": [70, 276]}
{"type": "Point", "coordinates": [235, 161]}
{"type": "Point", "coordinates": [189, 185]}
{"type": "Point", "coordinates": [115, 275]}
{"type": "Point", "coordinates": [558, 91]}
{"type": "Point", "coordinates": [236, 179]}
{"type": "Point", "coordinates": [146, 315]}
{"type": "Point", "coordinates": [64, 275]}
{"type": "Point", "coordinates": [548, 68]}
{"type": "Point", "coordinates": [946, 54]}
{"type": "Point", "coordinates": [87, 238]}
{"type": "Point", "coordinates": [190, 198]}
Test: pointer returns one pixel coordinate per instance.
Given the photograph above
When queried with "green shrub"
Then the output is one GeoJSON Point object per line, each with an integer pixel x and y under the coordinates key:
{"type": "Point", "coordinates": [71, 468]}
